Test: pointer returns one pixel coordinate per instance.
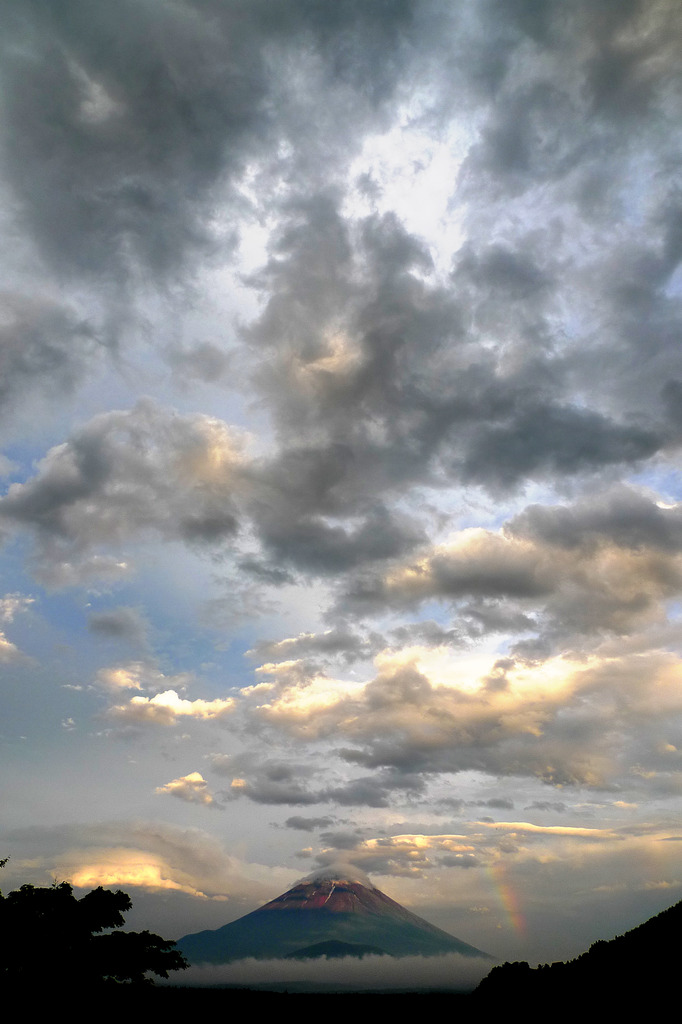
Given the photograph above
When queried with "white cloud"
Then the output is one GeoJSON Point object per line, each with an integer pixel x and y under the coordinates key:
{"type": "Point", "coordinates": [168, 707]}
{"type": "Point", "coordinates": [193, 788]}
{"type": "Point", "coordinates": [13, 604]}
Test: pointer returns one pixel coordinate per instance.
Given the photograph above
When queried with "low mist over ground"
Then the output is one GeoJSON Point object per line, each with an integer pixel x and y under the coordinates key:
{"type": "Point", "coordinates": [370, 973]}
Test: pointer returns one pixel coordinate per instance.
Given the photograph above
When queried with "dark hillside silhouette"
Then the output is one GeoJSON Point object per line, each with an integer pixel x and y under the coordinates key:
{"type": "Point", "coordinates": [643, 960]}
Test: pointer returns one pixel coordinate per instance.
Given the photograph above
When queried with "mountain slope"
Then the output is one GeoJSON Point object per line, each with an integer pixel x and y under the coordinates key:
{"type": "Point", "coordinates": [322, 911]}
{"type": "Point", "coordinates": [644, 957]}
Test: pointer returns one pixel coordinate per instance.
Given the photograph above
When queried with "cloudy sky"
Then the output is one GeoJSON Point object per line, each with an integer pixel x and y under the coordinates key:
{"type": "Point", "coordinates": [341, 412]}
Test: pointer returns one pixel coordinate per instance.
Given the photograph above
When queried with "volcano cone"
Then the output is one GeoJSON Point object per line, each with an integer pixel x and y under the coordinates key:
{"type": "Point", "coordinates": [315, 913]}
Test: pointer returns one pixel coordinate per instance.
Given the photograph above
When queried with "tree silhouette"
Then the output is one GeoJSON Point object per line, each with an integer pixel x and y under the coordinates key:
{"type": "Point", "coordinates": [48, 934]}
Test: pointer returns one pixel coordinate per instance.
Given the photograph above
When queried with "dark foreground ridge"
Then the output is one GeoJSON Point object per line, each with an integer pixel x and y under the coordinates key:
{"type": "Point", "coordinates": [324, 911]}
{"type": "Point", "coordinates": [644, 959]}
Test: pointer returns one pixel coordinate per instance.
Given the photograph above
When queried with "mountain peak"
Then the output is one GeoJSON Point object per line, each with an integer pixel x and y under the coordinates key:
{"type": "Point", "coordinates": [339, 871]}
{"type": "Point", "coordinates": [334, 895]}
{"type": "Point", "coordinates": [324, 910]}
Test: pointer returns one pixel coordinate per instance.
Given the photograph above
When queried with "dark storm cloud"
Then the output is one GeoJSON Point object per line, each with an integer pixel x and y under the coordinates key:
{"type": "Point", "coordinates": [266, 572]}
{"type": "Point", "coordinates": [297, 821]}
{"type": "Point", "coordinates": [382, 789]}
{"type": "Point", "coordinates": [498, 803]}
{"type": "Point", "coordinates": [127, 137]}
{"type": "Point", "coordinates": [340, 840]}
{"type": "Point", "coordinates": [585, 110]}
{"type": "Point", "coordinates": [388, 368]}
{"type": "Point", "coordinates": [355, 336]}
{"type": "Point", "coordinates": [284, 782]}
{"type": "Point", "coordinates": [313, 544]}
{"type": "Point", "coordinates": [619, 515]}
{"type": "Point", "coordinates": [344, 333]}
{"type": "Point", "coordinates": [488, 617]}
{"type": "Point", "coordinates": [345, 644]}
{"type": "Point", "coordinates": [499, 269]}
{"type": "Point", "coordinates": [121, 127]}
{"type": "Point", "coordinates": [548, 805]}
{"type": "Point", "coordinates": [118, 123]}
{"type": "Point", "coordinates": [620, 54]}
{"type": "Point", "coordinates": [121, 476]}
{"type": "Point", "coordinates": [550, 440]}
{"type": "Point", "coordinates": [379, 376]}
{"type": "Point", "coordinates": [269, 781]}
{"type": "Point", "coordinates": [126, 624]}
{"type": "Point", "coordinates": [44, 346]}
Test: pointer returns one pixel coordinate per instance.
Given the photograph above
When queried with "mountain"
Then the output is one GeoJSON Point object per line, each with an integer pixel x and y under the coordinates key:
{"type": "Point", "coordinates": [333, 949]}
{"type": "Point", "coordinates": [323, 910]}
{"type": "Point", "coordinates": [642, 960]}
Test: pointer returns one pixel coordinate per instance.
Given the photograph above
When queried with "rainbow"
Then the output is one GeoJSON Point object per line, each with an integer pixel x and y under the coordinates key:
{"type": "Point", "coordinates": [508, 898]}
